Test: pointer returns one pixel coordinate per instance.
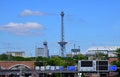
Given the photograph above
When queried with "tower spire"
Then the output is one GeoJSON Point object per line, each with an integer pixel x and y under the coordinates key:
{"type": "Point", "coordinates": [62, 42]}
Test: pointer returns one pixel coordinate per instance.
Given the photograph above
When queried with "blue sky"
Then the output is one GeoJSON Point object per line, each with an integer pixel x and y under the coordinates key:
{"type": "Point", "coordinates": [25, 24]}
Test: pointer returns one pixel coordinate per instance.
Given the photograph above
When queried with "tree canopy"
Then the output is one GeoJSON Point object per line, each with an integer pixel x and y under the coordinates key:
{"type": "Point", "coordinates": [42, 61]}
{"type": "Point", "coordinates": [117, 63]}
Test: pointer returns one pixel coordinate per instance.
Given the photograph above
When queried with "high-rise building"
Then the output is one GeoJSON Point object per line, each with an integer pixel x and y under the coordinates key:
{"type": "Point", "coordinates": [39, 52]}
{"type": "Point", "coordinates": [42, 51]}
{"type": "Point", "coordinates": [46, 51]}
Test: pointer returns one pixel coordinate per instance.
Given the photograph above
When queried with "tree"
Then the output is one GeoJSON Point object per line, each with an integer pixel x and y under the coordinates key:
{"type": "Point", "coordinates": [3, 57]}
{"type": "Point", "coordinates": [18, 58]}
{"type": "Point", "coordinates": [100, 56]}
{"type": "Point", "coordinates": [117, 63]}
{"type": "Point", "coordinates": [80, 57]}
{"type": "Point", "coordinates": [118, 53]}
{"type": "Point", "coordinates": [40, 61]}
{"type": "Point", "coordinates": [56, 61]}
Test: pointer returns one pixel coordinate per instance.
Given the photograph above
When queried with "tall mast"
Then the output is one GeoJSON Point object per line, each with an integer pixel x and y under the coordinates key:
{"type": "Point", "coordinates": [62, 42]}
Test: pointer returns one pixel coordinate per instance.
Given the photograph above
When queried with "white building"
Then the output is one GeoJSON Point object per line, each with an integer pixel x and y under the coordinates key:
{"type": "Point", "coordinates": [16, 53]}
{"type": "Point", "coordinates": [42, 51]}
{"type": "Point", "coordinates": [39, 52]}
{"type": "Point", "coordinates": [110, 50]}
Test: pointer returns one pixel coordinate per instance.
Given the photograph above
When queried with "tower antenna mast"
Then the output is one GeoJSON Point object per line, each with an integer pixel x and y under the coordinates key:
{"type": "Point", "coordinates": [62, 43]}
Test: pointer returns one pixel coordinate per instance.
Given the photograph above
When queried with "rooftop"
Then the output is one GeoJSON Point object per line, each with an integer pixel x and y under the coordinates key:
{"type": "Point", "coordinates": [103, 48]}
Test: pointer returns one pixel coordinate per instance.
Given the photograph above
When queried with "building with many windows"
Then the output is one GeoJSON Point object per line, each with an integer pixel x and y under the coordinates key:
{"type": "Point", "coordinates": [39, 52]}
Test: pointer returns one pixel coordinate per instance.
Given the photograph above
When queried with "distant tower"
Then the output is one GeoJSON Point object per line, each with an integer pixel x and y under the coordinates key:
{"type": "Point", "coordinates": [46, 51]}
{"type": "Point", "coordinates": [62, 42]}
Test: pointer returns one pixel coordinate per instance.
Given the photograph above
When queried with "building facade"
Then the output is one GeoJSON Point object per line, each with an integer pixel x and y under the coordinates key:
{"type": "Point", "coordinates": [42, 51]}
{"type": "Point", "coordinates": [39, 52]}
{"type": "Point", "coordinates": [75, 51]}
{"type": "Point", "coordinates": [16, 53]}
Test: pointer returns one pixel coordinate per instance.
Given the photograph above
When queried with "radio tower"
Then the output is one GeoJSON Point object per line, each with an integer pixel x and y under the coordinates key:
{"type": "Point", "coordinates": [62, 42]}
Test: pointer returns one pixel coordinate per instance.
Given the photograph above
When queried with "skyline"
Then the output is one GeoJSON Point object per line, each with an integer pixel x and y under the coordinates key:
{"type": "Point", "coordinates": [26, 24]}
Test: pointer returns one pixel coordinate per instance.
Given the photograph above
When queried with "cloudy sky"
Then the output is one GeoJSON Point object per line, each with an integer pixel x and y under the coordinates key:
{"type": "Point", "coordinates": [25, 24]}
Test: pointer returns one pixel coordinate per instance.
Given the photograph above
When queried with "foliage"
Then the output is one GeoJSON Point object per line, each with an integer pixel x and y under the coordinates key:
{"type": "Point", "coordinates": [56, 61]}
{"type": "Point", "coordinates": [3, 57]}
{"type": "Point", "coordinates": [118, 54]}
{"type": "Point", "coordinates": [41, 61]}
{"type": "Point", "coordinates": [29, 59]}
{"type": "Point", "coordinates": [80, 57]}
{"type": "Point", "coordinates": [18, 58]}
{"type": "Point", "coordinates": [117, 63]}
{"type": "Point", "coordinates": [100, 56]}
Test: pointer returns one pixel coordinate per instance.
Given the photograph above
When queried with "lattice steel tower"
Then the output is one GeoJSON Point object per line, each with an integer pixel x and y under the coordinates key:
{"type": "Point", "coordinates": [62, 42]}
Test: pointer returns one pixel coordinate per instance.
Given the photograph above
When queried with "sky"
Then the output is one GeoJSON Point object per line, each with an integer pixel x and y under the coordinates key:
{"type": "Point", "coordinates": [26, 24]}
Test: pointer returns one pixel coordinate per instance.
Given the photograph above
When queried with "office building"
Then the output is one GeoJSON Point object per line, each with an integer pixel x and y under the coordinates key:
{"type": "Point", "coordinates": [75, 52]}
{"type": "Point", "coordinates": [42, 51]}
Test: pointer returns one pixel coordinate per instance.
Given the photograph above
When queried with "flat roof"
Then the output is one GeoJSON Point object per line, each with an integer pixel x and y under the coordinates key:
{"type": "Point", "coordinates": [110, 48]}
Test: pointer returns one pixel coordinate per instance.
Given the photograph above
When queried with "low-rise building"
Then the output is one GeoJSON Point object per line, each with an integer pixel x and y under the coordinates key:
{"type": "Point", "coordinates": [108, 50]}
{"type": "Point", "coordinates": [16, 53]}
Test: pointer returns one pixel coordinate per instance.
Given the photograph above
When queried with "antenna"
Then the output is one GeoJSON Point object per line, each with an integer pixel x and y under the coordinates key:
{"type": "Point", "coordinates": [62, 42]}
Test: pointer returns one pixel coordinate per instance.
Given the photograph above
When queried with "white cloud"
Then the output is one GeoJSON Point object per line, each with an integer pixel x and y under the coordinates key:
{"type": "Point", "coordinates": [33, 13]}
{"type": "Point", "coordinates": [29, 28]}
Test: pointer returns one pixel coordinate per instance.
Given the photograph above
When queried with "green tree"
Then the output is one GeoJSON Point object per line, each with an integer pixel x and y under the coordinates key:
{"type": "Point", "coordinates": [40, 61]}
{"type": "Point", "coordinates": [29, 59]}
{"type": "Point", "coordinates": [18, 58]}
{"type": "Point", "coordinates": [118, 54]}
{"type": "Point", "coordinates": [100, 56]}
{"type": "Point", "coordinates": [56, 61]}
{"type": "Point", "coordinates": [117, 63]}
{"type": "Point", "coordinates": [80, 57]}
{"type": "Point", "coordinates": [68, 61]}
{"type": "Point", "coordinates": [3, 57]}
